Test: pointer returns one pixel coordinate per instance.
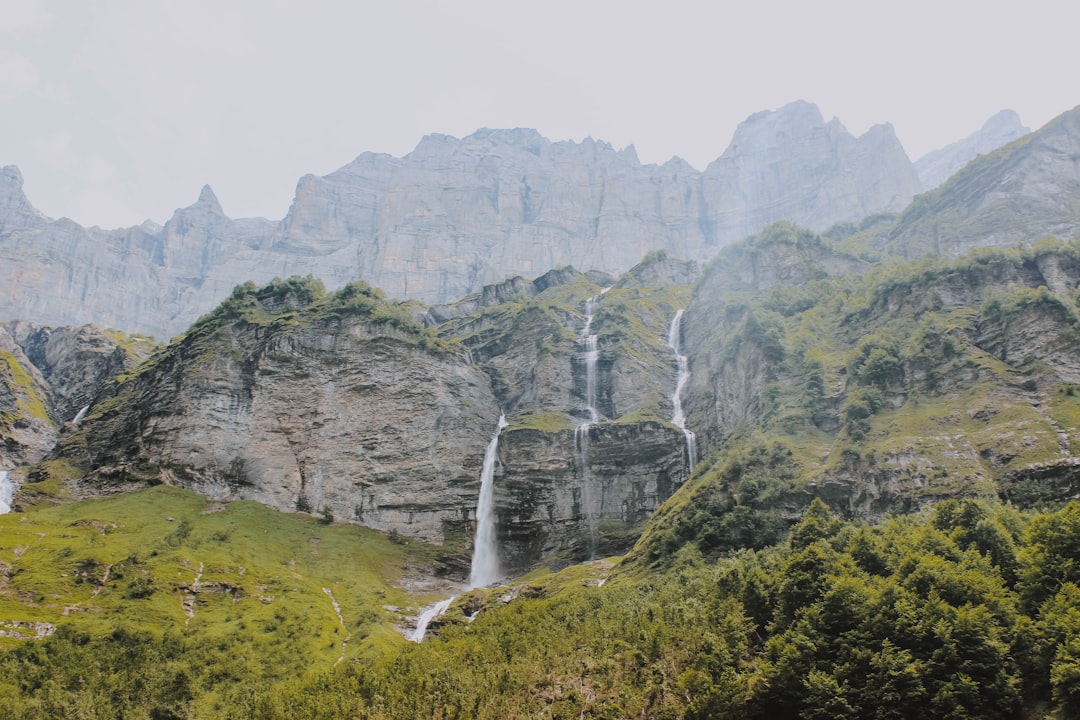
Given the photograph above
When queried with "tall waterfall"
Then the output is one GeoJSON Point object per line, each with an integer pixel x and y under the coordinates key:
{"type": "Point", "coordinates": [427, 616]}
{"type": "Point", "coordinates": [7, 492]}
{"type": "Point", "coordinates": [678, 417]}
{"type": "Point", "coordinates": [590, 356]}
{"type": "Point", "coordinates": [485, 559]}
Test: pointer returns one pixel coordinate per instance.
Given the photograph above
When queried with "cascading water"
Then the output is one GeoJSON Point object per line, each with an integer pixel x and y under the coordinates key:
{"type": "Point", "coordinates": [485, 559]}
{"type": "Point", "coordinates": [678, 417]}
{"type": "Point", "coordinates": [7, 492]}
{"type": "Point", "coordinates": [427, 616]}
{"type": "Point", "coordinates": [81, 414]}
{"type": "Point", "coordinates": [590, 356]}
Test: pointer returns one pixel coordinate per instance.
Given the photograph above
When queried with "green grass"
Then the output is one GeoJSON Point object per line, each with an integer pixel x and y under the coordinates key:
{"type": "Point", "coordinates": [262, 575]}
{"type": "Point", "coordinates": [551, 422]}
{"type": "Point", "coordinates": [28, 400]}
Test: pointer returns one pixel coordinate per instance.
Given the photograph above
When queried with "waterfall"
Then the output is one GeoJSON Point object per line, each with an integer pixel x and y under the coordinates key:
{"type": "Point", "coordinates": [485, 559]}
{"type": "Point", "coordinates": [427, 616]}
{"type": "Point", "coordinates": [7, 492]}
{"type": "Point", "coordinates": [590, 356]}
{"type": "Point", "coordinates": [81, 414]}
{"type": "Point", "coordinates": [678, 417]}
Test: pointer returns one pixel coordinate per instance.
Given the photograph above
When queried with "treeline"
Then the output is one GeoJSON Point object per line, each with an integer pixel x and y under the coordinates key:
{"type": "Point", "coordinates": [969, 610]}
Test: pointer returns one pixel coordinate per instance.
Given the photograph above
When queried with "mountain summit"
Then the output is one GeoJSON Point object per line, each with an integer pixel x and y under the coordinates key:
{"type": "Point", "coordinates": [936, 167]}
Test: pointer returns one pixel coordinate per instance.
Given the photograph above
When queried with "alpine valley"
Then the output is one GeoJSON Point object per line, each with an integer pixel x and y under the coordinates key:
{"type": "Point", "coordinates": [513, 428]}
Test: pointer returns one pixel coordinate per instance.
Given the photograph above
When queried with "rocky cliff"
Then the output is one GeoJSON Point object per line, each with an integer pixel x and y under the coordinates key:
{"type": "Point", "coordinates": [792, 165]}
{"type": "Point", "coordinates": [1024, 191]}
{"type": "Point", "coordinates": [48, 375]}
{"type": "Point", "coordinates": [337, 404]}
{"type": "Point", "coordinates": [813, 373]}
{"type": "Point", "coordinates": [449, 218]}
{"type": "Point", "coordinates": [880, 389]}
{"type": "Point", "coordinates": [567, 484]}
{"type": "Point", "coordinates": [345, 405]}
{"type": "Point", "coordinates": [937, 166]}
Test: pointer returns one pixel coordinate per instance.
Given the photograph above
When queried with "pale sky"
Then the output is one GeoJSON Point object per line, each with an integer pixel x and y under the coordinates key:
{"type": "Point", "coordinates": [120, 110]}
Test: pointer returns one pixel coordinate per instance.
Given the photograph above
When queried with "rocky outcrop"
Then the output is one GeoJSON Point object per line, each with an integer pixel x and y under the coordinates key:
{"type": "Point", "coordinates": [792, 165]}
{"type": "Point", "coordinates": [75, 363]}
{"type": "Point", "coordinates": [937, 166]}
{"type": "Point", "coordinates": [1021, 193]}
{"type": "Point", "coordinates": [886, 392]}
{"type": "Point", "coordinates": [26, 431]}
{"type": "Point", "coordinates": [336, 405]}
{"type": "Point", "coordinates": [48, 375]}
{"type": "Point", "coordinates": [552, 503]}
{"type": "Point", "coordinates": [449, 218]}
{"type": "Point", "coordinates": [561, 489]}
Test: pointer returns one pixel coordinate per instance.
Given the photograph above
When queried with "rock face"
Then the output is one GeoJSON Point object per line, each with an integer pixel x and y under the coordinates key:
{"type": "Point", "coordinates": [47, 375]}
{"type": "Point", "coordinates": [449, 218]}
{"type": "Point", "coordinates": [565, 486]}
{"type": "Point", "coordinates": [936, 167]}
{"type": "Point", "coordinates": [552, 502]}
{"type": "Point", "coordinates": [792, 165]}
{"type": "Point", "coordinates": [303, 405]}
{"type": "Point", "coordinates": [1018, 194]}
{"type": "Point", "coordinates": [344, 404]}
{"type": "Point", "coordinates": [884, 392]}
{"type": "Point", "coordinates": [75, 363]}
{"type": "Point", "coordinates": [26, 431]}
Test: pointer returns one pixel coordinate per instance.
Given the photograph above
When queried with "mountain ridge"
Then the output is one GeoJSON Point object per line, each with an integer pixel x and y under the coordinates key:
{"type": "Point", "coordinates": [451, 216]}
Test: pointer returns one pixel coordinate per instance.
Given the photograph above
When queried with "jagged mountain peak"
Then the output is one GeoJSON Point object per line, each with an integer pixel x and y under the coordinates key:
{"type": "Point", "coordinates": [208, 198]}
{"type": "Point", "coordinates": [937, 166]}
{"type": "Point", "coordinates": [11, 176]}
{"type": "Point", "coordinates": [456, 214]}
{"type": "Point", "coordinates": [789, 164]}
{"type": "Point", "coordinates": [1007, 120]}
{"type": "Point", "coordinates": [771, 127]}
{"type": "Point", "coordinates": [520, 137]}
{"type": "Point", "coordinates": [16, 211]}
{"type": "Point", "coordinates": [205, 209]}
{"type": "Point", "coordinates": [1016, 194]}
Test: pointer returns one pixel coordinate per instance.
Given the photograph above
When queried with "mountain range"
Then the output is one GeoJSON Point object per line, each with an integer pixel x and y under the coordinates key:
{"type": "Point", "coordinates": [457, 214]}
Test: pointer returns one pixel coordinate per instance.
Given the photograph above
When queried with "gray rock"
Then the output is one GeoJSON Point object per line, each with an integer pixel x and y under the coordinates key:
{"type": "Point", "coordinates": [939, 165]}
{"type": "Point", "coordinates": [1020, 193]}
{"type": "Point", "coordinates": [449, 218]}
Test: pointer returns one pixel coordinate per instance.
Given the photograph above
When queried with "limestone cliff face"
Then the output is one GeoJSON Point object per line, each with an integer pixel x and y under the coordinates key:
{"type": "Point", "coordinates": [886, 392]}
{"type": "Point", "coordinates": [301, 406]}
{"type": "Point", "coordinates": [552, 500]}
{"type": "Point", "coordinates": [48, 375]}
{"type": "Point", "coordinates": [75, 363]}
{"type": "Point", "coordinates": [1018, 194]}
{"type": "Point", "coordinates": [792, 165]}
{"type": "Point", "coordinates": [449, 218]}
{"type": "Point", "coordinates": [735, 349]}
{"type": "Point", "coordinates": [561, 488]}
{"type": "Point", "coordinates": [936, 167]}
{"type": "Point", "coordinates": [26, 431]}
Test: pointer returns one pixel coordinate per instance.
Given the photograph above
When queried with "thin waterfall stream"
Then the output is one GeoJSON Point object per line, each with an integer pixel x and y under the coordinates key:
{"type": "Point", "coordinates": [427, 616]}
{"type": "Point", "coordinates": [678, 416]}
{"type": "Point", "coordinates": [485, 559]}
{"type": "Point", "coordinates": [590, 356]}
{"type": "Point", "coordinates": [7, 492]}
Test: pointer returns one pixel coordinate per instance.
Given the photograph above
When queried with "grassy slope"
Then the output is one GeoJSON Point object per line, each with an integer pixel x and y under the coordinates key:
{"type": "Point", "coordinates": [260, 609]}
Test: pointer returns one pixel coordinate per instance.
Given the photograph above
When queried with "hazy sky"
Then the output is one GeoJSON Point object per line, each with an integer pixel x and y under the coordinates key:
{"type": "Point", "coordinates": [117, 111]}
